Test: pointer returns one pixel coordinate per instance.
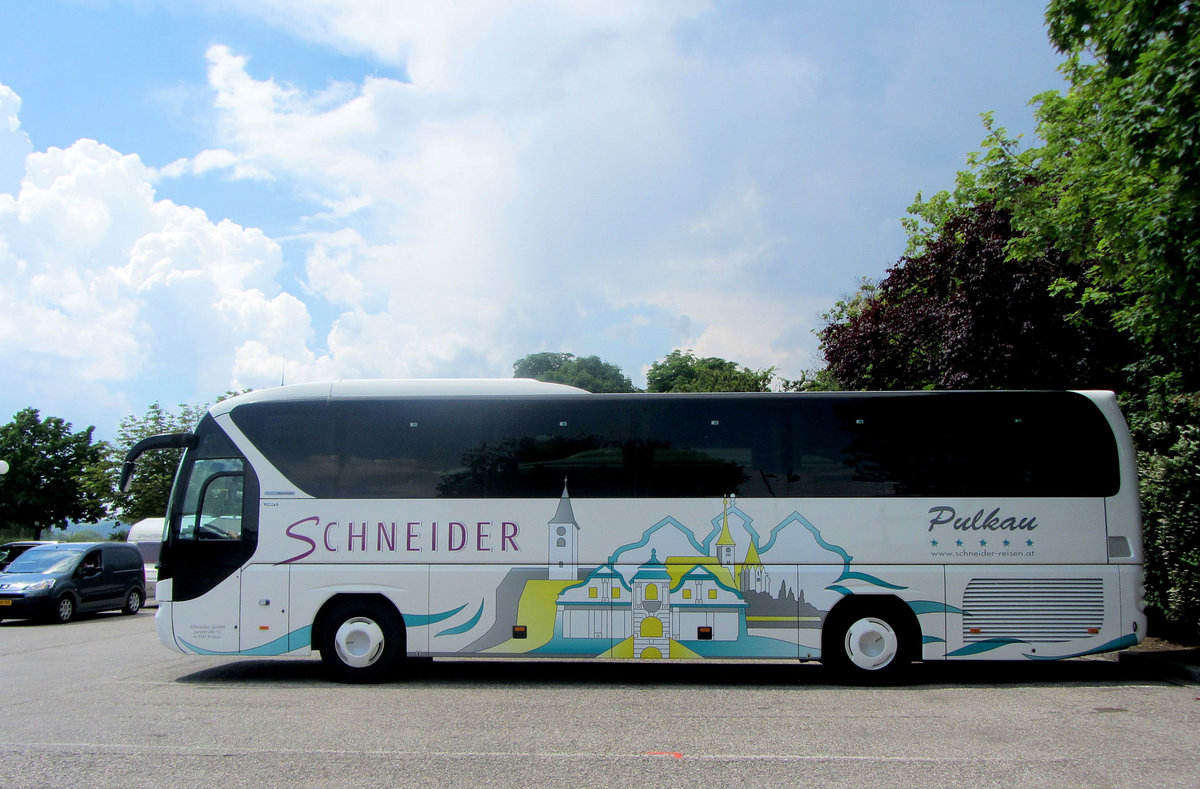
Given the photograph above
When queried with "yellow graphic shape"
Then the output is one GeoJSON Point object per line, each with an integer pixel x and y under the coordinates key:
{"type": "Point", "coordinates": [624, 650]}
{"type": "Point", "coordinates": [680, 652]}
{"type": "Point", "coordinates": [536, 611]}
{"type": "Point", "coordinates": [679, 566]}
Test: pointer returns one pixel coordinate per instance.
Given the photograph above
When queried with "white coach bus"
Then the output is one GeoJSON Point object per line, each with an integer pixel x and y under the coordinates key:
{"type": "Point", "coordinates": [373, 520]}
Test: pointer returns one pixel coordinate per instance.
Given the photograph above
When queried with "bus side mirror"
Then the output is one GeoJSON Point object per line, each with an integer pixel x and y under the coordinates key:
{"type": "Point", "coordinates": [161, 441]}
{"type": "Point", "coordinates": [126, 476]}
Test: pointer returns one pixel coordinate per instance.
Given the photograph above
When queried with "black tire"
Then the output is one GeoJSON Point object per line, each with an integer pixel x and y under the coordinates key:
{"type": "Point", "coordinates": [869, 642]}
{"type": "Point", "coordinates": [64, 609]}
{"type": "Point", "coordinates": [361, 641]}
{"type": "Point", "coordinates": [133, 601]}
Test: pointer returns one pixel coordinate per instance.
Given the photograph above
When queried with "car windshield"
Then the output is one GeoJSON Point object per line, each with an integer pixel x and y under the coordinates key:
{"type": "Point", "coordinates": [44, 561]}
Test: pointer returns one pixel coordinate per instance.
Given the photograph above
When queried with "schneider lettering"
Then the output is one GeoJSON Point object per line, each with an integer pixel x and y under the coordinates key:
{"type": "Point", "coordinates": [402, 536]}
{"type": "Point", "coordinates": [980, 522]}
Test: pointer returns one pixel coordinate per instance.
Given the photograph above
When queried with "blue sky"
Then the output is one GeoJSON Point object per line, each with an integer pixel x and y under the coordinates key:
{"type": "Point", "coordinates": [196, 197]}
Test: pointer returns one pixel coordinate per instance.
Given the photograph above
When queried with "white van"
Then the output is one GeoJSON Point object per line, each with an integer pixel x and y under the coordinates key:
{"type": "Point", "coordinates": [147, 535]}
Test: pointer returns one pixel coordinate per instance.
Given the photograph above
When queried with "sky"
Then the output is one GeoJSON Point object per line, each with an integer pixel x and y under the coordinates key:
{"type": "Point", "coordinates": [198, 197]}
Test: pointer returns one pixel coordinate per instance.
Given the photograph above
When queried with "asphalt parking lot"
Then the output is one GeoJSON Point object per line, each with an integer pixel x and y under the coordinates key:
{"type": "Point", "coordinates": [99, 702]}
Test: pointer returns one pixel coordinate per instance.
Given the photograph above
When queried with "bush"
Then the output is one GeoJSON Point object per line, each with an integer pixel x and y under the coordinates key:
{"type": "Point", "coordinates": [1171, 516]}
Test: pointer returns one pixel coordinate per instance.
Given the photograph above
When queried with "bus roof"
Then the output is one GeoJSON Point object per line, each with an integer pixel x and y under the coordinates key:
{"type": "Point", "coordinates": [384, 388]}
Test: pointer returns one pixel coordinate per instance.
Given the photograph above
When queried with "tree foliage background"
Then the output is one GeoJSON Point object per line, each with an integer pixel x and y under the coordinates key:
{"type": "Point", "coordinates": [1074, 263]}
{"type": "Point", "coordinates": [962, 314]}
{"type": "Point", "coordinates": [586, 372]}
{"type": "Point", "coordinates": [55, 475]}
{"type": "Point", "coordinates": [683, 371]}
{"type": "Point", "coordinates": [151, 485]}
{"type": "Point", "coordinates": [678, 371]}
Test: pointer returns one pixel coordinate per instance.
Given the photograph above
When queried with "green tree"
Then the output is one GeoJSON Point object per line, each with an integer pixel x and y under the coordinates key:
{"type": "Point", "coordinates": [151, 485]}
{"type": "Point", "coordinates": [821, 380]}
{"type": "Point", "coordinates": [54, 476]}
{"type": "Point", "coordinates": [959, 313]}
{"type": "Point", "coordinates": [1117, 184]}
{"type": "Point", "coordinates": [586, 372]}
{"type": "Point", "coordinates": [683, 371]}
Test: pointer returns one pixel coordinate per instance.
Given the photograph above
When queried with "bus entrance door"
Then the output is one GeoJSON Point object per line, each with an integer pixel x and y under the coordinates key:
{"type": "Point", "coordinates": [264, 620]}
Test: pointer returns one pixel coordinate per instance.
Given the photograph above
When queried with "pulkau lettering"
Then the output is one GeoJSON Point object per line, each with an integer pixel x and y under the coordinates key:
{"type": "Point", "coordinates": [979, 522]}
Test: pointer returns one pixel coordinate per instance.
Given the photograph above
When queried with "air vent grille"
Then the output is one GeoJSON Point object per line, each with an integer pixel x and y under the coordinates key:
{"type": "Point", "coordinates": [1037, 610]}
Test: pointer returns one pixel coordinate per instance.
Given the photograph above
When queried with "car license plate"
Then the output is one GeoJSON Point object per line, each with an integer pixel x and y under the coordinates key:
{"type": "Point", "coordinates": [4, 601]}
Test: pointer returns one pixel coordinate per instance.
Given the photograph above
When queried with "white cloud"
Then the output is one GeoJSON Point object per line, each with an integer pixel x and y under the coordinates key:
{"type": "Point", "coordinates": [107, 284]}
{"type": "Point", "coordinates": [14, 142]}
{"type": "Point", "coordinates": [475, 47]}
{"type": "Point", "coordinates": [541, 166]}
{"type": "Point", "coordinates": [213, 160]}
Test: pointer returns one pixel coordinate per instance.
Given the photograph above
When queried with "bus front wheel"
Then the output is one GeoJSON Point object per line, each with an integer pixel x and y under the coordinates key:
{"type": "Point", "coordinates": [361, 642]}
{"type": "Point", "coordinates": [868, 643]}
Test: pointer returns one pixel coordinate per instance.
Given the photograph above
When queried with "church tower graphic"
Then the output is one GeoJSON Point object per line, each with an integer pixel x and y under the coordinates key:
{"type": "Point", "coordinates": [651, 610]}
{"type": "Point", "coordinates": [563, 541]}
{"type": "Point", "coordinates": [726, 547]}
{"type": "Point", "coordinates": [752, 576]}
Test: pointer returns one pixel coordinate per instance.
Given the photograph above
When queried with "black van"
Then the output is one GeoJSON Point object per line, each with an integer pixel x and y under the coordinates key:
{"type": "Point", "coordinates": [58, 581]}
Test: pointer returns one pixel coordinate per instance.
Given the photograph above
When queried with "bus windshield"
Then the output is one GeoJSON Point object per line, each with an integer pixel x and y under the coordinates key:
{"type": "Point", "coordinates": [212, 504]}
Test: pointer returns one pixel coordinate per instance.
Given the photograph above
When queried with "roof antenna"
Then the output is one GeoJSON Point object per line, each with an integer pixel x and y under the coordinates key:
{"type": "Point", "coordinates": [283, 371]}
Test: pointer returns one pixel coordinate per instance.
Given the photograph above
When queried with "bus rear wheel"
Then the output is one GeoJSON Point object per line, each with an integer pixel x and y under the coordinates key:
{"type": "Point", "coordinates": [867, 643]}
{"type": "Point", "coordinates": [361, 642]}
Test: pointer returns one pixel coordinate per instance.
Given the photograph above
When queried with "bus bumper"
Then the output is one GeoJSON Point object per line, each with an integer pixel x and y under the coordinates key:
{"type": "Point", "coordinates": [162, 623]}
{"type": "Point", "coordinates": [1133, 599]}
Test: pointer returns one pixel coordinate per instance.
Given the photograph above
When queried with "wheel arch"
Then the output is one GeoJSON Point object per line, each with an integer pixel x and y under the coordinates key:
{"type": "Point", "coordinates": [73, 594]}
{"type": "Point", "coordinates": [333, 604]}
{"type": "Point", "coordinates": [857, 605]}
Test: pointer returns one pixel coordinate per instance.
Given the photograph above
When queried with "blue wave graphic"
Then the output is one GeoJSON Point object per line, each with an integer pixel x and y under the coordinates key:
{"type": "Point", "coordinates": [933, 607]}
{"type": "Point", "coordinates": [1124, 642]}
{"type": "Point", "coordinates": [465, 626]}
{"type": "Point", "coordinates": [980, 647]}
{"type": "Point", "coordinates": [854, 575]}
{"type": "Point", "coordinates": [420, 620]}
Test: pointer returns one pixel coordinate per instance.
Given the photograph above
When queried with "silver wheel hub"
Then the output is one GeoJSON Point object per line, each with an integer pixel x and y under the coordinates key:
{"type": "Point", "coordinates": [359, 642]}
{"type": "Point", "coordinates": [871, 644]}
